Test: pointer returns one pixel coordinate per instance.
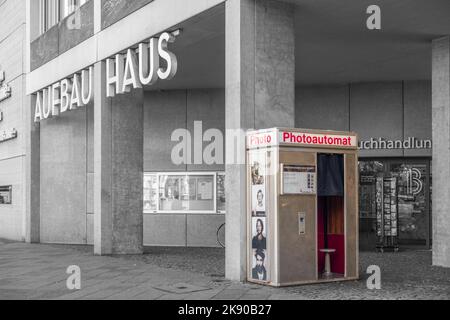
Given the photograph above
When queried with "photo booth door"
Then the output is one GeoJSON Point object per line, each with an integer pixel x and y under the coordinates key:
{"type": "Point", "coordinates": [297, 227]}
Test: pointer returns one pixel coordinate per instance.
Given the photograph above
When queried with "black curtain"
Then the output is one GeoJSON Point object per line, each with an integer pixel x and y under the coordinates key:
{"type": "Point", "coordinates": [330, 175]}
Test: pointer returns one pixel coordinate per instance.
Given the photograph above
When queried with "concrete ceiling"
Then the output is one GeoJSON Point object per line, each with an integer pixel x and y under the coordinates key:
{"type": "Point", "coordinates": [200, 51]}
{"type": "Point", "coordinates": [333, 44]}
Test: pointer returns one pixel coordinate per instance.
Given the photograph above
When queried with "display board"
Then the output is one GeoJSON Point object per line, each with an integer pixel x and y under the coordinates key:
{"type": "Point", "coordinates": [221, 193]}
{"type": "Point", "coordinates": [6, 195]}
{"type": "Point", "coordinates": [190, 192]}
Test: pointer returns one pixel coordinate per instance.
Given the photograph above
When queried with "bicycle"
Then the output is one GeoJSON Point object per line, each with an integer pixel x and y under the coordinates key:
{"type": "Point", "coordinates": [221, 235]}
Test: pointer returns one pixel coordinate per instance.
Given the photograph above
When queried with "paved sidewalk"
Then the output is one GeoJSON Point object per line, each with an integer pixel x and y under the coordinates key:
{"type": "Point", "coordinates": [39, 272]}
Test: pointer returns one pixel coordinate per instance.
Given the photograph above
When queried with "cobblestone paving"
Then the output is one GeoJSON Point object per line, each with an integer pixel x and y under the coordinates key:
{"type": "Point", "coordinates": [39, 272]}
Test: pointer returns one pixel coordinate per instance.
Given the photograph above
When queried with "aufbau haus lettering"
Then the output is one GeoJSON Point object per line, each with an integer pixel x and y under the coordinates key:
{"type": "Point", "coordinates": [67, 95]}
{"type": "Point", "coordinates": [150, 62]}
{"type": "Point", "coordinates": [141, 68]}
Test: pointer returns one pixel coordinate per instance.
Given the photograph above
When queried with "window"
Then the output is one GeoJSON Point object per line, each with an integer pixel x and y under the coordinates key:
{"type": "Point", "coordinates": [193, 192]}
{"type": "Point", "coordinates": [52, 12]}
{"type": "Point", "coordinates": [69, 6]}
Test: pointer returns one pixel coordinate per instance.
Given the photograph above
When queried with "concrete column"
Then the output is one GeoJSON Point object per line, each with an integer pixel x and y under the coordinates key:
{"type": "Point", "coordinates": [32, 141]}
{"type": "Point", "coordinates": [441, 151]}
{"type": "Point", "coordinates": [32, 173]}
{"type": "Point", "coordinates": [118, 169]}
{"type": "Point", "coordinates": [260, 93]}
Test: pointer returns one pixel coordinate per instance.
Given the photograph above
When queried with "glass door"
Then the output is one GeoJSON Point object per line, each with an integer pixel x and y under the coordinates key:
{"type": "Point", "coordinates": [413, 201]}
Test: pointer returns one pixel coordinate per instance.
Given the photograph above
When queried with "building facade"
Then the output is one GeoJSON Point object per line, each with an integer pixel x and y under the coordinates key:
{"type": "Point", "coordinates": [130, 107]}
{"type": "Point", "coordinates": [12, 120]}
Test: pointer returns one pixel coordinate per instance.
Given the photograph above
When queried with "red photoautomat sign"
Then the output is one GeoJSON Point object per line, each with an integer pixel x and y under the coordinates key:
{"type": "Point", "coordinates": [285, 137]}
{"type": "Point", "coordinates": [318, 140]}
{"type": "Point", "coordinates": [261, 139]}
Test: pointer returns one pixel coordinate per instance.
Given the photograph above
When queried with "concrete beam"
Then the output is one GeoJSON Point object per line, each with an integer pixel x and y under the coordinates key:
{"type": "Point", "coordinates": [441, 151]}
{"type": "Point", "coordinates": [260, 93]}
{"type": "Point", "coordinates": [150, 20]}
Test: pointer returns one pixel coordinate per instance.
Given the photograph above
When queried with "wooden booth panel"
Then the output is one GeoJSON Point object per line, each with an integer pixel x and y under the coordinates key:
{"type": "Point", "coordinates": [351, 191]}
{"type": "Point", "coordinates": [297, 253]}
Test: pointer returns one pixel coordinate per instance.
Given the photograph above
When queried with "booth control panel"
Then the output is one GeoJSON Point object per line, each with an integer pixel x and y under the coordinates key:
{"type": "Point", "coordinates": [302, 223]}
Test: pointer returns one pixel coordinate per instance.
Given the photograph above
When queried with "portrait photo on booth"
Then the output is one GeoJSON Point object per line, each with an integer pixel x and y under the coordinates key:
{"type": "Point", "coordinates": [259, 201]}
{"type": "Point", "coordinates": [259, 249]}
{"type": "Point", "coordinates": [258, 168]}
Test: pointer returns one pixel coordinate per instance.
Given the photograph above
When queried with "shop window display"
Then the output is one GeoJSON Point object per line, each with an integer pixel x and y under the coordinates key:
{"type": "Point", "coordinates": [413, 200]}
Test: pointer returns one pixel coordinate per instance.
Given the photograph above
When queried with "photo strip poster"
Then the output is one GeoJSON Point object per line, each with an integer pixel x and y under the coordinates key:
{"type": "Point", "coordinates": [259, 217]}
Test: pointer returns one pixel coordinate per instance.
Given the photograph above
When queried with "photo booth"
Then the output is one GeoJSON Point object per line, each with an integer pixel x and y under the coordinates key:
{"type": "Point", "coordinates": [302, 197]}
